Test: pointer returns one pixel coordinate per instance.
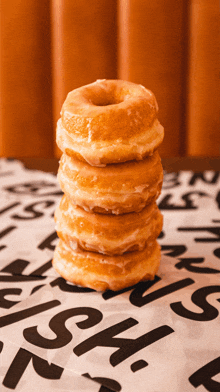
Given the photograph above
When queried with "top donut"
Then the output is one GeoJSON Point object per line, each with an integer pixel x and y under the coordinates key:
{"type": "Point", "coordinates": [109, 121]}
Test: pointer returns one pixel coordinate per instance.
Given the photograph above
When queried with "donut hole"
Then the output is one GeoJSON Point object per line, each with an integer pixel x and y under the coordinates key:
{"type": "Point", "coordinates": [107, 103]}
{"type": "Point", "coordinates": [105, 97]}
{"type": "Point", "coordinates": [106, 100]}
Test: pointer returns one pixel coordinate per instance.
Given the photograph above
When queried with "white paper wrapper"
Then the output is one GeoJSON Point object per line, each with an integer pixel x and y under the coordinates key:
{"type": "Point", "coordinates": [156, 336]}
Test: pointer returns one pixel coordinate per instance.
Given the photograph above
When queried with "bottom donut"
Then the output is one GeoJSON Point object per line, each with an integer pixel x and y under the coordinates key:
{"type": "Point", "coordinates": [101, 272]}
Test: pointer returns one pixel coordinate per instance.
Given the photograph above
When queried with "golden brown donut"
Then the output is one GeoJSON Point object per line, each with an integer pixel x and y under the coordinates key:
{"type": "Point", "coordinates": [102, 272]}
{"type": "Point", "coordinates": [116, 188]}
{"type": "Point", "coordinates": [109, 121]}
{"type": "Point", "coordinates": [108, 234]}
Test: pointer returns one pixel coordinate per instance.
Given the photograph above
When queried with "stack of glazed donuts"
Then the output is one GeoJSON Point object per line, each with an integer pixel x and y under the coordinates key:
{"type": "Point", "coordinates": [111, 175]}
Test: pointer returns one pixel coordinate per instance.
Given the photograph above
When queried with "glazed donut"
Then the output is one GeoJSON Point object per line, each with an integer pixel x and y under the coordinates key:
{"type": "Point", "coordinates": [116, 188]}
{"type": "Point", "coordinates": [109, 121]}
{"type": "Point", "coordinates": [108, 234]}
{"type": "Point", "coordinates": [101, 272]}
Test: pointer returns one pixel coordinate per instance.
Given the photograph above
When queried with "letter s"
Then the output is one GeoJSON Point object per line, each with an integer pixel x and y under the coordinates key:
{"type": "Point", "coordinates": [199, 298]}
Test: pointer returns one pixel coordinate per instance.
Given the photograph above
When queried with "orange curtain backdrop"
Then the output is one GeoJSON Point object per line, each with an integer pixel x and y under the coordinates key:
{"type": "Point", "coordinates": [50, 47]}
{"type": "Point", "coordinates": [25, 79]}
{"type": "Point", "coordinates": [204, 79]}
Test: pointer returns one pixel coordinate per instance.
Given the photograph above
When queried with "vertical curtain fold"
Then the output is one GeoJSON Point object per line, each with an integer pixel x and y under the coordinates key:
{"type": "Point", "coordinates": [204, 79]}
{"type": "Point", "coordinates": [25, 79]}
{"type": "Point", "coordinates": [49, 47]}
